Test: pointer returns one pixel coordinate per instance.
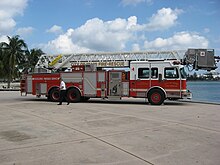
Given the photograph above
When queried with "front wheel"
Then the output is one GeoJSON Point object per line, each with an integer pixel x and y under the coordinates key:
{"type": "Point", "coordinates": [156, 97]}
{"type": "Point", "coordinates": [73, 95]}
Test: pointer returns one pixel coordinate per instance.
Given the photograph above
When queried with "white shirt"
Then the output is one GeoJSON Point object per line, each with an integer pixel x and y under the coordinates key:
{"type": "Point", "coordinates": [62, 85]}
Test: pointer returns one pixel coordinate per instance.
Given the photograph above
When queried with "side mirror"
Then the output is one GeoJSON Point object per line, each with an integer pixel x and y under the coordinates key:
{"type": "Point", "coordinates": [160, 77]}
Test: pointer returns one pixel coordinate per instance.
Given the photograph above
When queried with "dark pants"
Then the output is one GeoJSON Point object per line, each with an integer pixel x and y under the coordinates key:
{"type": "Point", "coordinates": [62, 96]}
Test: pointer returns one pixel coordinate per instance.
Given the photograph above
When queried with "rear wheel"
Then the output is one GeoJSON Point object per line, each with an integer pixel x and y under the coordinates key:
{"type": "Point", "coordinates": [156, 97]}
{"type": "Point", "coordinates": [73, 95]}
{"type": "Point", "coordinates": [54, 95]}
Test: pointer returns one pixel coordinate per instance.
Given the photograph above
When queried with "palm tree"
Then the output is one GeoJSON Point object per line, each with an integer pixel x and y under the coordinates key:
{"type": "Point", "coordinates": [15, 55]}
{"type": "Point", "coordinates": [1, 62]}
{"type": "Point", "coordinates": [32, 57]}
{"type": "Point", "coordinates": [3, 66]}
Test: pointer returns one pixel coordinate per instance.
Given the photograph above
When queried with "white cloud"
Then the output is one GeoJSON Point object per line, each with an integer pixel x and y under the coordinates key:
{"type": "Point", "coordinates": [25, 31]}
{"type": "Point", "coordinates": [181, 40]}
{"type": "Point", "coordinates": [8, 10]}
{"type": "Point", "coordinates": [4, 38]}
{"type": "Point", "coordinates": [98, 35]}
{"type": "Point", "coordinates": [63, 44]}
{"type": "Point", "coordinates": [124, 34]}
{"type": "Point", "coordinates": [135, 2]}
{"type": "Point", "coordinates": [132, 24]}
{"type": "Point", "coordinates": [163, 19]}
{"type": "Point", "coordinates": [6, 25]}
{"type": "Point", "coordinates": [55, 29]}
{"type": "Point", "coordinates": [95, 35]}
{"type": "Point", "coordinates": [136, 47]}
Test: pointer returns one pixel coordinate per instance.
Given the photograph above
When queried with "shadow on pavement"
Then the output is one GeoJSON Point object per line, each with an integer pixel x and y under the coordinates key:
{"type": "Point", "coordinates": [99, 101]}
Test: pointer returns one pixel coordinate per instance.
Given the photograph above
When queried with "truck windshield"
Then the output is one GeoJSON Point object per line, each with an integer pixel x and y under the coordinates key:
{"type": "Point", "coordinates": [183, 72]}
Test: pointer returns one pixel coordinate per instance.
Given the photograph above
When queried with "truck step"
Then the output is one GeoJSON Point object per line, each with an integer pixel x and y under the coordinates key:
{"type": "Point", "coordinates": [114, 98]}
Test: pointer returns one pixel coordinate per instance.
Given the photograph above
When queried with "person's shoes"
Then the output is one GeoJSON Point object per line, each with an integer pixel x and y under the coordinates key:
{"type": "Point", "coordinates": [59, 104]}
{"type": "Point", "coordinates": [68, 103]}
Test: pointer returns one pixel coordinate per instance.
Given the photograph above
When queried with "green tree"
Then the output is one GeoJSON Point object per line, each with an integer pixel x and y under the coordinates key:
{"type": "Point", "coordinates": [14, 53]}
{"type": "Point", "coordinates": [1, 62]}
{"type": "Point", "coordinates": [3, 65]}
{"type": "Point", "coordinates": [32, 58]}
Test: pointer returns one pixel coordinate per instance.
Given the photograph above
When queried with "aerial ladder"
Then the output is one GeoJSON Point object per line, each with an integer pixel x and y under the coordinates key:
{"type": "Point", "coordinates": [197, 58]}
{"type": "Point", "coordinates": [106, 59]}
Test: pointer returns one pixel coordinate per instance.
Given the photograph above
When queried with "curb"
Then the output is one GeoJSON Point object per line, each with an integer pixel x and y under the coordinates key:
{"type": "Point", "coordinates": [200, 102]}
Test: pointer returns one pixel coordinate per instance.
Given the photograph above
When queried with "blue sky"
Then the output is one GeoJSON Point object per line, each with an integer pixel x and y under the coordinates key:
{"type": "Point", "coordinates": [67, 26]}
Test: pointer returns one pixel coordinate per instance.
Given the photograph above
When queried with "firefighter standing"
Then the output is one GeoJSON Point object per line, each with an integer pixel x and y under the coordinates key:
{"type": "Point", "coordinates": [62, 91]}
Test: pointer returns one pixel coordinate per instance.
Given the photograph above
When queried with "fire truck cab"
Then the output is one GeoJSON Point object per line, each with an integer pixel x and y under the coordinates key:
{"type": "Point", "coordinates": [158, 80]}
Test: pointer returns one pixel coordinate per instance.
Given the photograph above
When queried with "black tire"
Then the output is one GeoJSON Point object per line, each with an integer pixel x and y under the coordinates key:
{"type": "Point", "coordinates": [156, 97]}
{"type": "Point", "coordinates": [54, 95]}
{"type": "Point", "coordinates": [73, 95]}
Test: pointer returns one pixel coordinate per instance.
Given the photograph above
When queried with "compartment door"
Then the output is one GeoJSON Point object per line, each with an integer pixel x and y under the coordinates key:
{"type": "Point", "coordinates": [115, 86]}
{"type": "Point", "coordinates": [29, 84]}
{"type": "Point", "coordinates": [90, 83]}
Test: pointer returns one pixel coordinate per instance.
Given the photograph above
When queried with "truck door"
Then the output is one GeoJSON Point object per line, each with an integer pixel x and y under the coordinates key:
{"type": "Point", "coordinates": [115, 87]}
{"type": "Point", "coordinates": [140, 79]}
{"type": "Point", "coordinates": [171, 82]}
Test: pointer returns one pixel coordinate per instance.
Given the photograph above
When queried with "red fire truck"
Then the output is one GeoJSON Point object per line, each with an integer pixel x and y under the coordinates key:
{"type": "Point", "coordinates": [156, 75]}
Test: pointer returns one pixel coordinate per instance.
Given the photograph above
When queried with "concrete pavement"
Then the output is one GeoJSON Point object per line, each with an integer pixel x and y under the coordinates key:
{"type": "Point", "coordinates": [35, 131]}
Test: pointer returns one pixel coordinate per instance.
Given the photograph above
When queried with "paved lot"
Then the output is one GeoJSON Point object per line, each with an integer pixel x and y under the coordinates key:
{"type": "Point", "coordinates": [131, 132]}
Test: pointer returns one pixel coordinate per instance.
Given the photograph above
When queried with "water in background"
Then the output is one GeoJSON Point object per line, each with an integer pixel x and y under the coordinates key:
{"type": "Point", "coordinates": [207, 91]}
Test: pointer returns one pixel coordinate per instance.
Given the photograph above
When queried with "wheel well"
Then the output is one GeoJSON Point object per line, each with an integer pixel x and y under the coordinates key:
{"type": "Point", "coordinates": [159, 88]}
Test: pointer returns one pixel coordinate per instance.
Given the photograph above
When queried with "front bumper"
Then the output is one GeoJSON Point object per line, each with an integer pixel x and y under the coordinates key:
{"type": "Point", "coordinates": [187, 95]}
